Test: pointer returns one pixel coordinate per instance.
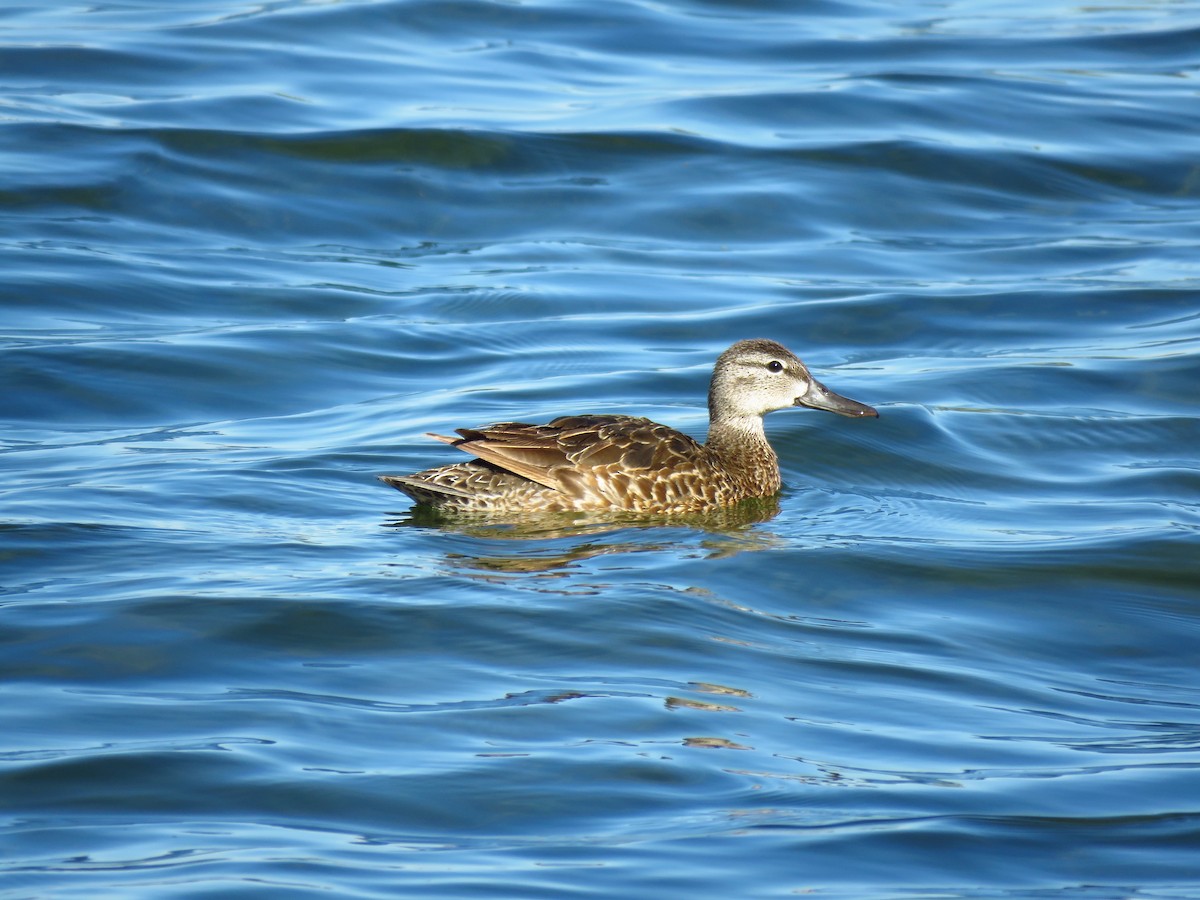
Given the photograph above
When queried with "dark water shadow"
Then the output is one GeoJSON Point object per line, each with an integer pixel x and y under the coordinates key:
{"type": "Point", "coordinates": [572, 537]}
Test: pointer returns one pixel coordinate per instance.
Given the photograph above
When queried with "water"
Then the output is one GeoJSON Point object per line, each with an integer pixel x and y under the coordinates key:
{"type": "Point", "coordinates": [253, 252]}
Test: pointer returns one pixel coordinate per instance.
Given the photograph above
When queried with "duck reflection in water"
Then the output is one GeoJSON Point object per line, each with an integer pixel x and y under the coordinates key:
{"type": "Point", "coordinates": [726, 532]}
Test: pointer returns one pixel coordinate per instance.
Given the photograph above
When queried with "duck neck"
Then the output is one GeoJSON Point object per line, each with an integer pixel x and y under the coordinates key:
{"type": "Point", "coordinates": [740, 448]}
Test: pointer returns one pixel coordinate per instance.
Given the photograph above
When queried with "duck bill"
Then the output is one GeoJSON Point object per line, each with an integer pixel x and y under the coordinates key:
{"type": "Point", "coordinates": [820, 397]}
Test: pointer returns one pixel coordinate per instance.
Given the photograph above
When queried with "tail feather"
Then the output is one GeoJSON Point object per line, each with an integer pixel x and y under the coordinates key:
{"type": "Point", "coordinates": [422, 491]}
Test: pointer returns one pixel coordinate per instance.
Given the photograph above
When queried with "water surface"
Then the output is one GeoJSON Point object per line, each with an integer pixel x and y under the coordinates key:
{"type": "Point", "coordinates": [253, 252]}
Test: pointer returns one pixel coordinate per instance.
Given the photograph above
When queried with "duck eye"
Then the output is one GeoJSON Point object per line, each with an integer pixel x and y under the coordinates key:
{"type": "Point", "coordinates": [775, 366]}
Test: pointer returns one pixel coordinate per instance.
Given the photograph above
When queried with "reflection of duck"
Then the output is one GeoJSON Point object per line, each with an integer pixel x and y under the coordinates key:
{"type": "Point", "coordinates": [552, 545]}
{"type": "Point", "coordinates": [582, 463]}
{"type": "Point", "coordinates": [726, 531]}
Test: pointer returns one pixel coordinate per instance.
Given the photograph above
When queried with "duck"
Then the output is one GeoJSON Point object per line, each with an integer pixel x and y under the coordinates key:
{"type": "Point", "coordinates": [592, 463]}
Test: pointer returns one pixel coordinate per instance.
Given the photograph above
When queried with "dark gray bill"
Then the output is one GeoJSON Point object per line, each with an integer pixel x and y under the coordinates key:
{"type": "Point", "coordinates": [820, 397]}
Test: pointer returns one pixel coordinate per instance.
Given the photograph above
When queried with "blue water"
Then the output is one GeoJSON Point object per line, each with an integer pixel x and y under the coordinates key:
{"type": "Point", "coordinates": [252, 252]}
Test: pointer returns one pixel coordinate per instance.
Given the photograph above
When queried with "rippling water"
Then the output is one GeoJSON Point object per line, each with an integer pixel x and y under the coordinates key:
{"type": "Point", "coordinates": [253, 251]}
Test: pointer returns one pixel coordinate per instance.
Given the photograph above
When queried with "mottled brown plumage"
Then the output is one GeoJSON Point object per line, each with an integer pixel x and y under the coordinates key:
{"type": "Point", "coordinates": [623, 463]}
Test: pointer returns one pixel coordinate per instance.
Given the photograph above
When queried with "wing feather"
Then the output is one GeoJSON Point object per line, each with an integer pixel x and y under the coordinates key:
{"type": "Point", "coordinates": [574, 450]}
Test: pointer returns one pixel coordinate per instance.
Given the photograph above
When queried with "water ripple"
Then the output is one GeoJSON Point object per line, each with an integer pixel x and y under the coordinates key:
{"type": "Point", "coordinates": [254, 251]}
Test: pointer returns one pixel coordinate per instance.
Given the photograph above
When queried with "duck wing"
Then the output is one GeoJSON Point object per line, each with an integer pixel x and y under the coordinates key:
{"type": "Point", "coordinates": [573, 451]}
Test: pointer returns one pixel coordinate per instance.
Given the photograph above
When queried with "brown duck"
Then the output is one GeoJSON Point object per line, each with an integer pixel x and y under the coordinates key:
{"type": "Point", "coordinates": [625, 463]}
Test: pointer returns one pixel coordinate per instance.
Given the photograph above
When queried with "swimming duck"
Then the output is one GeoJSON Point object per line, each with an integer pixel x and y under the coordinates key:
{"type": "Point", "coordinates": [624, 463]}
